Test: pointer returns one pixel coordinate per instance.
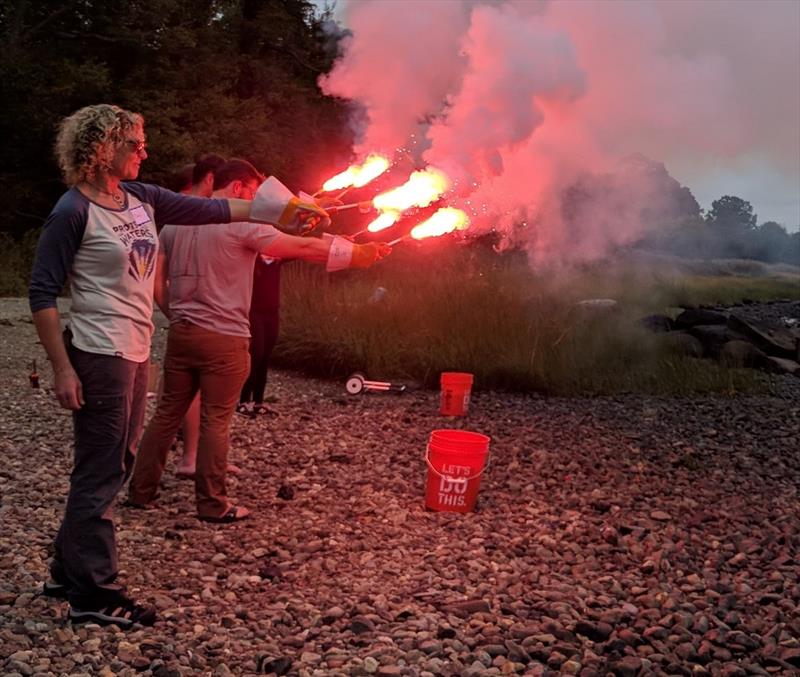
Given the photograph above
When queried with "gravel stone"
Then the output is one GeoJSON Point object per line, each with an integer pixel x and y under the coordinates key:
{"type": "Point", "coordinates": [632, 535]}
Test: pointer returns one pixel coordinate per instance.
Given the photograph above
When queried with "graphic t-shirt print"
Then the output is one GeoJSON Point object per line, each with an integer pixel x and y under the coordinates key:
{"type": "Point", "coordinates": [140, 244]}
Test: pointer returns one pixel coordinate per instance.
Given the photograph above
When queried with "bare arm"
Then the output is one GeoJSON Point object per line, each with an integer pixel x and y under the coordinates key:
{"type": "Point", "coordinates": [337, 252]}
{"type": "Point", "coordinates": [161, 283]}
{"type": "Point", "coordinates": [69, 391]}
{"type": "Point", "coordinates": [292, 247]}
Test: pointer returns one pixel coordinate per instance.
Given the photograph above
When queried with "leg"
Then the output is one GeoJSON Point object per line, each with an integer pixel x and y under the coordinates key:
{"type": "Point", "coordinates": [264, 330]}
{"type": "Point", "coordinates": [221, 379]}
{"type": "Point", "coordinates": [180, 386]}
{"type": "Point", "coordinates": [247, 394]}
{"type": "Point", "coordinates": [138, 412]}
{"type": "Point", "coordinates": [191, 438]}
{"type": "Point", "coordinates": [86, 552]}
{"type": "Point", "coordinates": [270, 325]}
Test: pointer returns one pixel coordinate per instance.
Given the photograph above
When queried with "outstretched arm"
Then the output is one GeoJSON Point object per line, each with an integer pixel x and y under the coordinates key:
{"type": "Point", "coordinates": [274, 203]}
{"type": "Point", "coordinates": [337, 252]}
{"type": "Point", "coordinates": [285, 246]}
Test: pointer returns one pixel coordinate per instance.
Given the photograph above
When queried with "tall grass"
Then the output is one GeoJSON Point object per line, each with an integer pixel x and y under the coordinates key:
{"type": "Point", "coordinates": [451, 308]}
{"type": "Point", "coordinates": [459, 308]}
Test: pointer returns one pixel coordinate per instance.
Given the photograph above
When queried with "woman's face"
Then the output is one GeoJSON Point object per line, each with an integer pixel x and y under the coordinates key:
{"type": "Point", "coordinates": [129, 155]}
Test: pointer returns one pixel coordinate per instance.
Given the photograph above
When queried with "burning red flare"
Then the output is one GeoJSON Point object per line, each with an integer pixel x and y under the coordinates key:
{"type": "Point", "coordinates": [445, 220]}
{"type": "Point", "coordinates": [356, 176]}
{"type": "Point", "coordinates": [386, 219]}
{"type": "Point", "coordinates": [422, 188]}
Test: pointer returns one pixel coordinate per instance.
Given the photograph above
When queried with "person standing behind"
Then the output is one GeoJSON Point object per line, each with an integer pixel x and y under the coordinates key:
{"type": "Point", "coordinates": [265, 311]}
{"type": "Point", "coordinates": [200, 183]}
{"type": "Point", "coordinates": [180, 181]}
{"type": "Point", "coordinates": [207, 302]}
{"type": "Point", "coordinates": [102, 235]}
{"type": "Point", "coordinates": [203, 175]}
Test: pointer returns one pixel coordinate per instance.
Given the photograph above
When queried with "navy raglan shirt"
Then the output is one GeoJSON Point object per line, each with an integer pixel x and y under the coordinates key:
{"type": "Point", "coordinates": [110, 257]}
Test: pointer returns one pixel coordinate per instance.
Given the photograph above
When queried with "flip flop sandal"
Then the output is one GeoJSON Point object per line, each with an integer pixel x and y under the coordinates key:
{"type": "Point", "coordinates": [234, 514]}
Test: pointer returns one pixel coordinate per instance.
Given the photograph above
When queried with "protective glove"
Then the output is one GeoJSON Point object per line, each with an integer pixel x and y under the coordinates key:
{"type": "Point", "coordinates": [364, 255]}
{"type": "Point", "coordinates": [274, 203]}
{"type": "Point", "coordinates": [345, 254]}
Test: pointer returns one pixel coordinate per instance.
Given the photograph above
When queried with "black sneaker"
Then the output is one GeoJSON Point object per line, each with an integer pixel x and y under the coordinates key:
{"type": "Point", "coordinates": [122, 612]}
{"type": "Point", "coordinates": [58, 585]}
{"type": "Point", "coordinates": [55, 590]}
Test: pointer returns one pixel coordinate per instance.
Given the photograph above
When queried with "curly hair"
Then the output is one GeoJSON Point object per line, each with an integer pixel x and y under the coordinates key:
{"type": "Point", "coordinates": [88, 139]}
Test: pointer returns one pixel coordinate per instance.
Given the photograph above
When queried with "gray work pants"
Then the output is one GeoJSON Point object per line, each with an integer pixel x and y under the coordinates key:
{"type": "Point", "coordinates": [107, 431]}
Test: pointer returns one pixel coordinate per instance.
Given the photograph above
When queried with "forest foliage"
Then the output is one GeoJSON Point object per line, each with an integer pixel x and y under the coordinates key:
{"type": "Point", "coordinates": [235, 77]}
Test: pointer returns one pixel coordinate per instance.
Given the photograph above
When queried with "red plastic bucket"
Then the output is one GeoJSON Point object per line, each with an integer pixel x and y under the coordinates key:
{"type": "Point", "coordinates": [456, 461]}
{"type": "Point", "coordinates": [456, 388]}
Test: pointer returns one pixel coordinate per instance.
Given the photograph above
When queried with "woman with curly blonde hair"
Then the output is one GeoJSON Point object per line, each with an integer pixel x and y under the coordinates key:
{"type": "Point", "coordinates": [102, 235]}
{"type": "Point", "coordinates": [87, 141]}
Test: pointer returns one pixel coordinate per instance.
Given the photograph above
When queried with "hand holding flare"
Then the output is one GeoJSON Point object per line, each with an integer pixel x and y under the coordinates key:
{"type": "Point", "coordinates": [364, 255]}
{"type": "Point", "coordinates": [274, 203]}
{"type": "Point", "coordinates": [344, 253]}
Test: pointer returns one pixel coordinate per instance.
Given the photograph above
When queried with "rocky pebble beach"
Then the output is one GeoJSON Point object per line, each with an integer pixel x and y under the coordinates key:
{"type": "Point", "coordinates": [622, 535]}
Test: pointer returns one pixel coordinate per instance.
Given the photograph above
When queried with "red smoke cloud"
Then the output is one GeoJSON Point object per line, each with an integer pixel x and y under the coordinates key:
{"type": "Point", "coordinates": [517, 100]}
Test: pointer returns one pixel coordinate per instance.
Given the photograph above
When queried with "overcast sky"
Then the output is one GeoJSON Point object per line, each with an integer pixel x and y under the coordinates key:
{"type": "Point", "coordinates": [709, 87]}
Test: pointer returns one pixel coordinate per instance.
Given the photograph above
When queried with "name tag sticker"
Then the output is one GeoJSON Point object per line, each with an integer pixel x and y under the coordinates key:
{"type": "Point", "coordinates": [139, 215]}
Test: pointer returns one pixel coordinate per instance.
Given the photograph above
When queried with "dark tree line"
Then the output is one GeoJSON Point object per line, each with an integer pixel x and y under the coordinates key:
{"type": "Point", "coordinates": [236, 77]}
{"type": "Point", "coordinates": [642, 191]}
{"type": "Point", "coordinates": [730, 229]}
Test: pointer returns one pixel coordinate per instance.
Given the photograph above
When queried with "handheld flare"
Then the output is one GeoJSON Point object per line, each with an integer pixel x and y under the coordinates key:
{"type": "Point", "coordinates": [363, 207]}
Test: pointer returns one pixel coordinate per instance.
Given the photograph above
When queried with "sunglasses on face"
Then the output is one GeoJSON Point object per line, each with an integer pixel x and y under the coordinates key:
{"type": "Point", "coordinates": [136, 146]}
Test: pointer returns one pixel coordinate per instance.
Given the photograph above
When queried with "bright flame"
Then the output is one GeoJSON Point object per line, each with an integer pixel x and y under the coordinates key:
{"type": "Point", "coordinates": [385, 220]}
{"type": "Point", "coordinates": [420, 190]}
{"type": "Point", "coordinates": [357, 176]}
{"type": "Point", "coordinates": [446, 220]}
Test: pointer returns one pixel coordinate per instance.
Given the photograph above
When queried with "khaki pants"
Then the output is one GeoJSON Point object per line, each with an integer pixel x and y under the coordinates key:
{"type": "Point", "coordinates": [217, 366]}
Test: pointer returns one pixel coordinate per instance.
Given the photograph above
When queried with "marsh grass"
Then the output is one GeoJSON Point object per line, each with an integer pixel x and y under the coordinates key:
{"type": "Point", "coordinates": [451, 308]}
{"type": "Point", "coordinates": [458, 308]}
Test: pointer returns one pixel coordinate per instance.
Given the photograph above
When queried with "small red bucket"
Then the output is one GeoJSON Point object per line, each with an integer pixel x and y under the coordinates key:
{"type": "Point", "coordinates": [456, 389]}
{"type": "Point", "coordinates": [456, 461]}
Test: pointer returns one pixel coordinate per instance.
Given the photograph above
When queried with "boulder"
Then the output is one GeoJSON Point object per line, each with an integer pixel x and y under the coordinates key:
{"type": "Point", "coordinates": [740, 354]}
{"type": "Point", "coordinates": [681, 343]}
{"type": "Point", "coordinates": [691, 317]}
{"type": "Point", "coordinates": [592, 308]}
{"type": "Point", "coordinates": [780, 365]}
{"type": "Point", "coordinates": [657, 323]}
{"type": "Point", "coordinates": [714, 336]}
{"type": "Point", "coordinates": [772, 340]}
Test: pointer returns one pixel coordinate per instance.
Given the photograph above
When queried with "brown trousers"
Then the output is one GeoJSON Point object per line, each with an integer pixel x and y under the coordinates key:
{"type": "Point", "coordinates": [217, 366]}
